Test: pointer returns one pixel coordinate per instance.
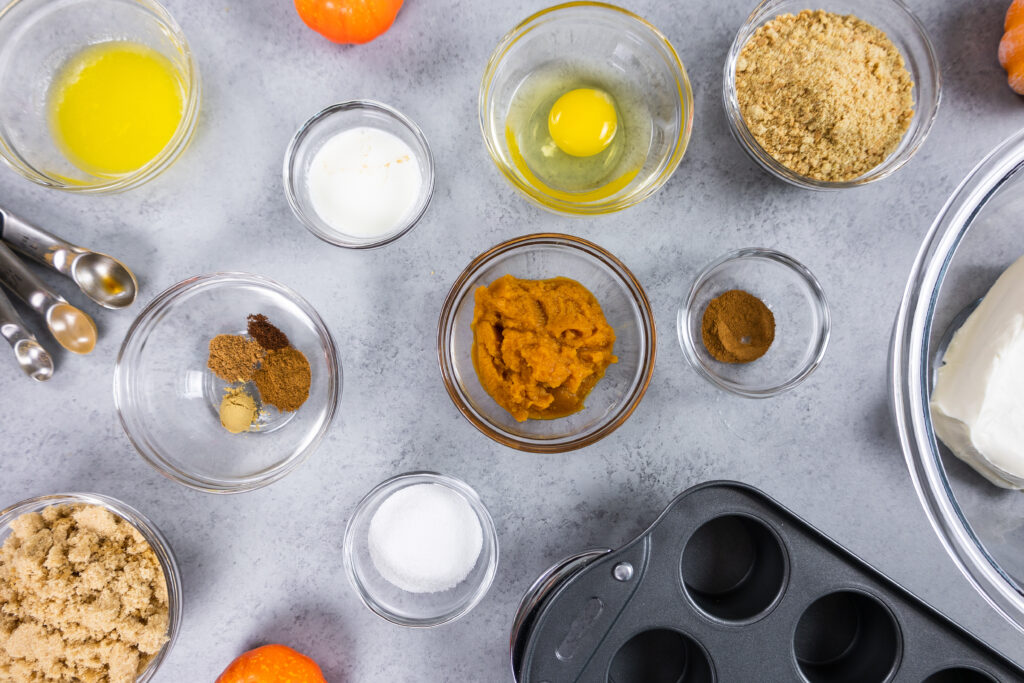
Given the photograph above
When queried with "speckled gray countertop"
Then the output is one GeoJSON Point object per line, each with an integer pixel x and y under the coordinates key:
{"type": "Point", "coordinates": [266, 566]}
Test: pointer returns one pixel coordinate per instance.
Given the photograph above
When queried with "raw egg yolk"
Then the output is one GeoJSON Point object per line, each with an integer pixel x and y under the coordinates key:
{"type": "Point", "coordinates": [583, 122]}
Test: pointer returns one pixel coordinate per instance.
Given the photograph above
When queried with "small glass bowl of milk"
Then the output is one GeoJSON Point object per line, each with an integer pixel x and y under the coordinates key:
{"type": "Point", "coordinates": [359, 174]}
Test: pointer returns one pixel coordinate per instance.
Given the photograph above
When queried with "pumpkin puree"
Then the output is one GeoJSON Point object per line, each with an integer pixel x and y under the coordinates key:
{"type": "Point", "coordinates": [539, 346]}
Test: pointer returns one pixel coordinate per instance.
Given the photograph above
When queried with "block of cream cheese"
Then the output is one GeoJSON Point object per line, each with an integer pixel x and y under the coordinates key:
{"type": "Point", "coordinates": [978, 403]}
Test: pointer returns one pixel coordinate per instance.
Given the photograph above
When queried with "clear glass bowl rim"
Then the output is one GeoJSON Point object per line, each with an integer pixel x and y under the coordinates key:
{"type": "Point", "coordinates": [446, 320]}
{"type": "Point", "coordinates": [123, 371]}
{"type": "Point", "coordinates": [688, 344]}
{"type": "Point", "coordinates": [158, 164]}
{"type": "Point", "coordinates": [909, 379]}
{"type": "Point", "coordinates": [565, 207]}
{"type": "Point", "coordinates": [153, 536]}
{"type": "Point", "coordinates": [290, 179]}
{"type": "Point", "coordinates": [740, 132]}
{"type": "Point", "coordinates": [487, 526]}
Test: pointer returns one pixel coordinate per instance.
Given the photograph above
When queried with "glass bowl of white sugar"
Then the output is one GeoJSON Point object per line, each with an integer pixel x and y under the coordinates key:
{"type": "Point", "coordinates": [359, 174]}
{"type": "Point", "coordinates": [421, 549]}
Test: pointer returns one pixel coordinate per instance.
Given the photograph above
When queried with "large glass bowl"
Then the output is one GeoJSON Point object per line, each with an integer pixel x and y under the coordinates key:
{"type": "Point", "coordinates": [156, 541]}
{"type": "Point", "coordinates": [625, 307]}
{"type": "Point", "coordinates": [907, 34]}
{"type": "Point", "coordinates": [586, 42]}
{"type": "Point", "coordinates": [168, 399]}
{"type": "Point", "coordinates": [36, 37]}
{"type": "Point", "coordinates": [975, 237]}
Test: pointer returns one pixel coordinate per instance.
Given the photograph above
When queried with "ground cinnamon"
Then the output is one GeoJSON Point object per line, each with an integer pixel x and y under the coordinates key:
{"type": "Point", "coordinates": [737, 327]}
{"type": "Point", "coordinates": [283, 379]}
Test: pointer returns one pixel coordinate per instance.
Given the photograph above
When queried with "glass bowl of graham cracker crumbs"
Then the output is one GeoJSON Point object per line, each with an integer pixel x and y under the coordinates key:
{"type": "Point", "coordinates": [227, 382]}
{"type": "Point", "coordinates": [831, 94]}
{"type": "Point", "coordinates": [100, 546]}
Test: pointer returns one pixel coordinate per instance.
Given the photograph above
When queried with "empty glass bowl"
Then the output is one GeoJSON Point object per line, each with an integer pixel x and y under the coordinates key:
{"type": "Point", "coordinates": [36, 38]}
{"type": "Point", "coordinates": [802, 321]}
{"type": "Point", "coordinates": [324, 125]}
{"type": "Point", "coordinates": [156, 541]}
{"type": "Point", "coordinates": [974, 238]}
{"type": "Point", "coordinates": [907, 34]}
{"type": "Point", "coordinates": [417, 609]}
{"type": "Point", "coordinates": [625, 307]}
{"type": "Point", "coordinates": [168, 399]}
{"type": "Point", "coordinates": [590, 42]}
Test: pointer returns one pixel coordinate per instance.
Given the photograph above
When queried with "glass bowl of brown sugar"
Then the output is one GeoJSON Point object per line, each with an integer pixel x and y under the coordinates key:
{"type": "Point", "coordinates": [866, 120]}
{"type": "Point", "coordinates": [755, 323]}
{"type": "Point", "coordinates": [227, 382]}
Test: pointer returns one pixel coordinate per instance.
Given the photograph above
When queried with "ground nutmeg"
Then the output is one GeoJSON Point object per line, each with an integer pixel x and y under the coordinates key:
{"type": "Point", "coordinates": [234, 358]}
{"type": "Point", "coordinates": [737, 327]}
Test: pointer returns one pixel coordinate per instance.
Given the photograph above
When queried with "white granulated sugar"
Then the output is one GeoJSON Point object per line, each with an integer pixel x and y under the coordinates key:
{"type": "Point", "coordinates": [425, 538]}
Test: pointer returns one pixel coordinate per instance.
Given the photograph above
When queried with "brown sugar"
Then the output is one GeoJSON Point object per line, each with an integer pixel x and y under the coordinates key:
{"type": "Point", "coordinates": [234, 358]}
{"type": "Point", "coordinates": [737, 327]}
{"type": "Point", "coordinates": [826, 95]}
{"type": "Point", "coordinates": [283, 379]}
{"type": "Point", "coordinates": [83, 598]}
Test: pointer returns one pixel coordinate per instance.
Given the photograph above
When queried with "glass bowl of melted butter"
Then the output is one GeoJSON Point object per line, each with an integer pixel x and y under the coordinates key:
{"type": "Point", "coordinates": [586, 108]}
{"type": "Point", "coordinates": [95, 95]}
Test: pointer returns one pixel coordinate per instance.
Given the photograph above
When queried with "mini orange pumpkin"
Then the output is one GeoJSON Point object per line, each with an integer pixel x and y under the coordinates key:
{"type": "Point", "coordinates": [272, 664]}
{"type": "Point", "coordinates": [349, 21]}
{"type": "Point", "coordinates": [1011, 47]}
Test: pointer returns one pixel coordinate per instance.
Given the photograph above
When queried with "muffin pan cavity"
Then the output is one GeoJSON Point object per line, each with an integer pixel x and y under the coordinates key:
{"type": "Point", "coordinates": [727, 585]}
{"type": "Point", "coordinates": [847, 637]}
{"type": "Point", "coordinates": [734, 568]}
{"type": "Point", "coordinates": [959, 674]}
{"type": "Point", "coordinates": [660, 655]}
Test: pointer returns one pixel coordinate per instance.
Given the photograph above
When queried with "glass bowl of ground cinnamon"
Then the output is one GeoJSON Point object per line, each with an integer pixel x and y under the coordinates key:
{"type": "Point", "coordinates": [831, 94]}
{"type": "Point", "coordinates": [755, 323]}
{"type": "Point", "coordinates": [227, 382]}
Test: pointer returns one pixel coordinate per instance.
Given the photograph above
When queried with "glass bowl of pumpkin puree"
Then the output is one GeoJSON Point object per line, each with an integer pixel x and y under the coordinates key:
{"type": "Point", "coordinates": [608, 397]}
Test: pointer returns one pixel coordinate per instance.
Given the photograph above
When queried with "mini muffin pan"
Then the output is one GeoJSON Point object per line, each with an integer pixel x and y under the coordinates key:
{"type": "Point", "coordinates": [727, 585]}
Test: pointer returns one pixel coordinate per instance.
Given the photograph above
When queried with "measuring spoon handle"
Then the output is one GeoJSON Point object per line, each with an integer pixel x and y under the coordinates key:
{"type": "Point", "coordinates": [24, 283]}
{"type": "Point", "coordinates": [37, 243]}
{"type": "Point", "coordinates": [12, 327]}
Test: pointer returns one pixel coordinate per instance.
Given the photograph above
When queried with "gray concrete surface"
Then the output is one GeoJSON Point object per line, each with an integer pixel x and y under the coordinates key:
{"type": "Point", "coordinates": [266, 566]}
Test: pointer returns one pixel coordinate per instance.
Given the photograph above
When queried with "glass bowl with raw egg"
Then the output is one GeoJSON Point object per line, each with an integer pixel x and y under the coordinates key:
{"type": "Point", "coordinates": [95, 95]}
{"type": "Point", "coordinates": [227, 382]}
{"type": "Point", "coordinates": [585, 108]}
{"type": "Point", "coordinates": [592, 399]}
{"type": "Point", "coordinates": [878, 156]}
{"type": "Point", "coordinates": [359, 174]}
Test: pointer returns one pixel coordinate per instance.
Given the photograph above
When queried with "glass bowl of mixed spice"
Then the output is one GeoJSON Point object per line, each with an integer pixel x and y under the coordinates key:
{"type": "Point", "coordinates": [755, 323]}
{"type": "Point", "coordinates": [226, 382]}
{"type": "Point", "coordinates": [832, 94]}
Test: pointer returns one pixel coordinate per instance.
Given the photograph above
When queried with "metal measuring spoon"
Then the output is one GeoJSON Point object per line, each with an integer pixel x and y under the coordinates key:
{"type": "Point", "coordinates": [73, 329]}
{"type": "Point", "coordinates": [32, 357]}
{"type": "Point", "coordinates": [102, 278]}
